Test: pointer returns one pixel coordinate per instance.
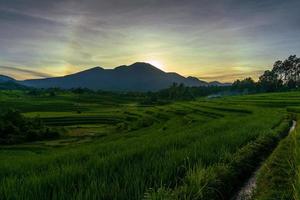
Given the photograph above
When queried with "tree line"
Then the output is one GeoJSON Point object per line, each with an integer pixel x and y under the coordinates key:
{"type": "Point", "coordinates": [180, 92]}
{"type": "Point", "coordinates": [285, 75]}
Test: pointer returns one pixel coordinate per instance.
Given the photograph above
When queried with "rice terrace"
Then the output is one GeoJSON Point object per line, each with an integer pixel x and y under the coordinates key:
{"type": "Point", "coordinates": [201, 149]}
{"type": "Point", "coordinates": [149, 100]}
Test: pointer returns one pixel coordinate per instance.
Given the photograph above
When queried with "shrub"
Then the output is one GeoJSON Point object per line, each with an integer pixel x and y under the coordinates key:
{"type": "Point", "coordinates": [15, 128]}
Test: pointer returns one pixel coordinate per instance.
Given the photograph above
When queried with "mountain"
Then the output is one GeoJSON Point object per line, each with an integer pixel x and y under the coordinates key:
{"type": "Point", "coordinates": [4, 78]}
{"type": "Point", "coordinates": [136, 77]}
{"type": "Point", "coordinates": [217, 83]}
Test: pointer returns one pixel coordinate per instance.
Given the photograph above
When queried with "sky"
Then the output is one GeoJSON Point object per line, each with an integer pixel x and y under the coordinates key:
{"type": "Point", "coordinates": [219, 40]}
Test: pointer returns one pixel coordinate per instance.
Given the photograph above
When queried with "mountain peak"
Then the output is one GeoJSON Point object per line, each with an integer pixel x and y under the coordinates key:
{"type": "Point", "coordinates": [195, 81]}
{"type": "Point", "coordinates": [144, 66]}
{"type": "Point", "coordinates": [192, 78]}
{"type": "Point", "coordinates": [97, 68]}
{"type": "Point", "coordinates": [140, 64]}
{"type": "Point", "coordinates": [92, 70]}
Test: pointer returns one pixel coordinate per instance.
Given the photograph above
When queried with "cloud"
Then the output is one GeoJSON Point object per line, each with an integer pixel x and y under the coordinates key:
{"type": "Point", "coordinates": [52, 34]}
{"type": "Point", "coordinates": [232, 76]}
{"type": "Point", "coordinates": [26, 72]}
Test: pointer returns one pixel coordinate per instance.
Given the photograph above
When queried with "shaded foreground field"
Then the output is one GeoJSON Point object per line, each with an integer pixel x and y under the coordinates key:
{"type": "Point", "coordinates": [116, 149]}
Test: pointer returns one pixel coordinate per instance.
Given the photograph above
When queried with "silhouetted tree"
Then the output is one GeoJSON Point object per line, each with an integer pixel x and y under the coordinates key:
{"type": "Point", "coordinates": [269, 81]}
{"type": "Point", "coordinates": [246, 85]}
{"type": "Point", "coordinates": [284, 75]}
{"type": "Point", "coordinates": [288, 71]}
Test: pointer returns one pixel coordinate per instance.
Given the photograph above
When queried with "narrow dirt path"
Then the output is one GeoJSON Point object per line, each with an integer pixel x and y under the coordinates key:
{"type": "Point", "coordinates": [247, 190]}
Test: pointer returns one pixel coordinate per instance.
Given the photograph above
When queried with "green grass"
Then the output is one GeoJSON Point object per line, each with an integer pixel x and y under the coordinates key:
{"type": "Point", "coordinates": [276, 178]}
{"type": "Point", "coordinates": [140, 152]}
{"type": "Point", "coordinates": [297, 165]}
{"type": "Point", "coordinates": [222, 180]}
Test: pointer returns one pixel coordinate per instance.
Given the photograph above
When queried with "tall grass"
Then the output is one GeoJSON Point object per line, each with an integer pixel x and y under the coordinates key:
{"type": "Point", "coordinates": [276, 178]}
{"type": "Point", "coordinates": [221, 180]}
{"type": "Point", "coordinates": [297, 164]}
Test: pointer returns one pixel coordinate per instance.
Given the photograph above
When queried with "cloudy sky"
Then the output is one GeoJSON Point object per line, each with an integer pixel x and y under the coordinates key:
{"type": "Point", "coordinates": [210, 39]}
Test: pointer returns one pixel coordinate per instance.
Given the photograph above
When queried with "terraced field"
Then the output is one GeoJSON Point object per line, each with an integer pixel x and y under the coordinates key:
{"type": "Point", "coordinates": [114, 148]}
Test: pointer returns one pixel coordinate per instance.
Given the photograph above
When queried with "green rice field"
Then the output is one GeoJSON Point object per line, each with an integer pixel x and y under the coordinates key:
{"type": "Point", "coordinates": [116, 148]}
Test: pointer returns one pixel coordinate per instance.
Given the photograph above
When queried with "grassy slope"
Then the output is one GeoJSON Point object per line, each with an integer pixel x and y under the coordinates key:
{"type": "Point", "coordinates": [155, 146]}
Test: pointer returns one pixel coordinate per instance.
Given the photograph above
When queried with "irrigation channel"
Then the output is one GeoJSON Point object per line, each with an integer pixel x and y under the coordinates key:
{"type": "Point", "coordinates": [247, 190]}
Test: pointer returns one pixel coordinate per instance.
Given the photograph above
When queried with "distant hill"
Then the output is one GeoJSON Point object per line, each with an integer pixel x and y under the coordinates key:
{"type": "Point", "coordinates": [4, 78]}
{"type": "Point", "coordinates": [12, 85]}
{"type": "Point", "coordinates": [136, 77]}
{"type": "Point", "coordinates": [217, 83]}
{"type": "Point", "coordinates": [8, 83]}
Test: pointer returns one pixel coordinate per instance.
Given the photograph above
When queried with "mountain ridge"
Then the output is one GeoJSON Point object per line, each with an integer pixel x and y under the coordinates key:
{"type": "Point", "coordinates": [139, 76]}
